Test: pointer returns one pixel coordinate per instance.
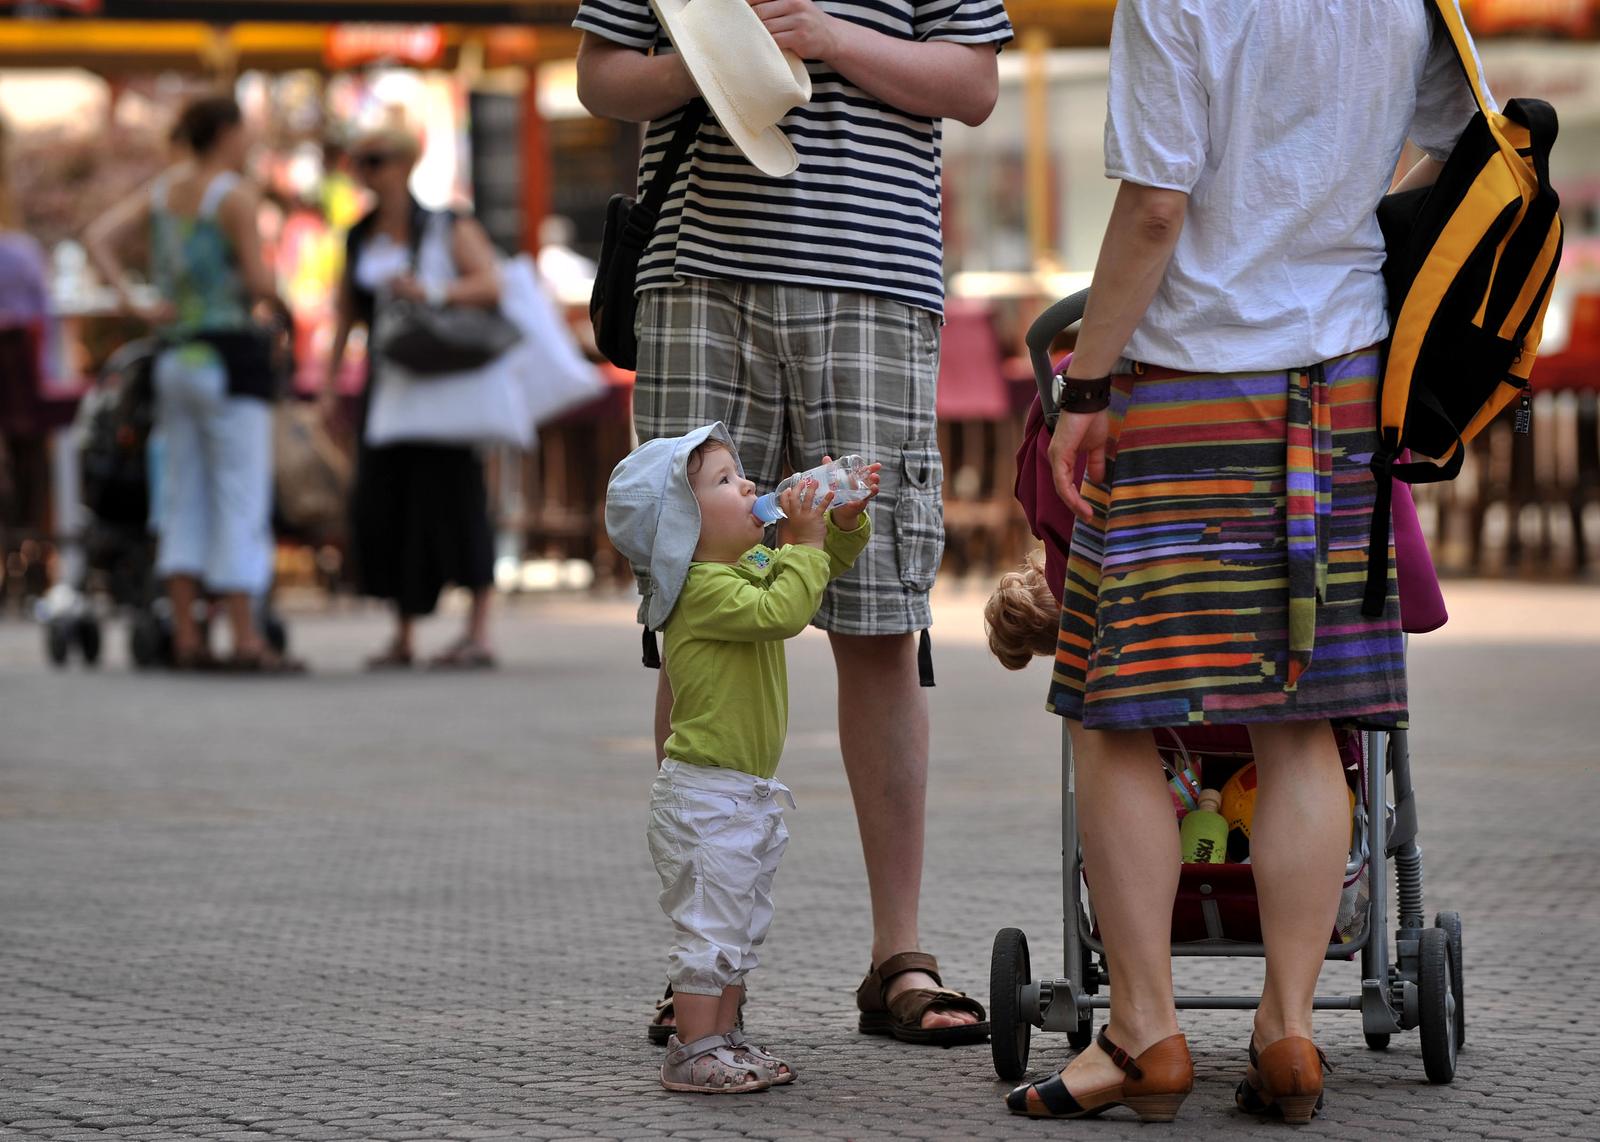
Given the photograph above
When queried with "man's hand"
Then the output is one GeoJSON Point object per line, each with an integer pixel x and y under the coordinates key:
{"type": "Point", "coordinates": [800, 27]}
{"type": "Point", "coordinates": [1079, 434]}
{"type": "Point", "coordinates": [847, 517]}
{"type": "Point", "coordinates": [807, 512]}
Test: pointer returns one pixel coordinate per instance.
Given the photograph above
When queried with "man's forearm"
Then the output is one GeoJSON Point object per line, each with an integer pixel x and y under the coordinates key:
{"type": "Point", "coordinates": [616, 82]}
{"type": "Point", "coordinates": [936, 80]}
{"type": "Point", "coordinates": [1140, 237]}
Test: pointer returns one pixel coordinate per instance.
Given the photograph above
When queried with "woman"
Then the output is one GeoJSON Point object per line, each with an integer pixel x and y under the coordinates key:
{"type": "Point", "coordinates": [1217, 575]}
{"type": "Point", "coordinates": [419, 512]}
{"type": "Point", "coordinates": [214, 379]}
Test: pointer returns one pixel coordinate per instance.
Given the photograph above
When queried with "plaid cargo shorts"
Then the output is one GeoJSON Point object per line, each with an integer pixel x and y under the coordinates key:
{"type": "Point", "coordinates": [798, 373]}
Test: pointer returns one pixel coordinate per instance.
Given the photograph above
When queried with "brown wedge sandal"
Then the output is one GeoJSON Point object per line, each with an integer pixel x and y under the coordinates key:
{"type": "Point", "coordinates": [1286, 1079]}
{"type": "Point", "coordinates": [901, 1016]}
{"type": "Point", "coordinates": [1158, 1081]}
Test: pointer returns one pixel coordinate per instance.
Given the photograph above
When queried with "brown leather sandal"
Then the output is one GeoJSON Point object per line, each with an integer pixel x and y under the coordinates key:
{"type": "Point", "coordinates": [901, 1016]}
{"type": "Point", "coordinates": [1157, 1083]}
{"type": "Point", "coordinates": [1286, 1079]}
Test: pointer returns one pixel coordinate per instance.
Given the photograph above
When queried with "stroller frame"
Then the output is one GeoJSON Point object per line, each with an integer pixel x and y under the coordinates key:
{"type": "Point", "coordinates": [1415, 983]}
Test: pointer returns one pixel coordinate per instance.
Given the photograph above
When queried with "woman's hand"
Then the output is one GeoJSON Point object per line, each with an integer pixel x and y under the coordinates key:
{"type": "Point", "coordinates": [799, 26]}
{"type": "Point", "coordinates": [407, 288]}
{"type": "Point", "coordinates": [1079, 434]}
{"type": "Point", "coordinates": [152, 313]}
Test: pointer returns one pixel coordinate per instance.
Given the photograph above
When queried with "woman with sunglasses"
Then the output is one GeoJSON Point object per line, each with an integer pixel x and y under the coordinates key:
{"type": "Point", "coordinates": [419, 511]}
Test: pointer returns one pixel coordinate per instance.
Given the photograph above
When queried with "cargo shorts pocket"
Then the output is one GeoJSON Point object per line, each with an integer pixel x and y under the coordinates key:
{"type": "Point", "coordinates": [919, 516]}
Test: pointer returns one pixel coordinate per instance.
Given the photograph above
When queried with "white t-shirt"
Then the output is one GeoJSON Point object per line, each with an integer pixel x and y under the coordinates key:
{"type": "Point", "coordinates": [1283, 121]}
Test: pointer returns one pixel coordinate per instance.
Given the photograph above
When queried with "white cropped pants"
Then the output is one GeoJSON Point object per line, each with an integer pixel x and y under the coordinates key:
{"type": "Point", "coordinates": [716, 836]}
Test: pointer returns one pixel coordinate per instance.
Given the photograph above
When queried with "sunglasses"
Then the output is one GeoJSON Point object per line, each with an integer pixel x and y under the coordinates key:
{"type": "Point", "coordinates": [373, 160]}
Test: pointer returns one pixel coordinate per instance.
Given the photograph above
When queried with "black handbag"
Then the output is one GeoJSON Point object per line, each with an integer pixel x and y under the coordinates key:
{"type": "Point", "coordinates": [429, 341]}
{"type": "Point", "coordinates": [629, 224]}
{"type": "Point", "coordinates": [432, 340]}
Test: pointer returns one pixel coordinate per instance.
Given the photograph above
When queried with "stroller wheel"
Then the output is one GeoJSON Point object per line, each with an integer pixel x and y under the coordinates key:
{"type": "Point", "coordinates": [1083, 1034]}
{"type": "Point", "coordinates": [1009, 1029]}
{"type": "Point", "coordinates": [88, 635]}
{"type": "Point", "coordinates": [144, 640]}
{"type": "Point", "coordinates": [58, 641]}
{"type": "Point", "coordinates": [1377, 1040]}
{"type": "Point", "coordinates": [1436, 1005]}
{"type": "Point", "coordinates": [276, 634]}
{"type": "Point", "coordinates": [1451, 923]}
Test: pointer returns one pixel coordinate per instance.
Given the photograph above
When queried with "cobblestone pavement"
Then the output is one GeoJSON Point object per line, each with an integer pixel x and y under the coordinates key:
{"type": "Point", "coordinates": [409, 907]}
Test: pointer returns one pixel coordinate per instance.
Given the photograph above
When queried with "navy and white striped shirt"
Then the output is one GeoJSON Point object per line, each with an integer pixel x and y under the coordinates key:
{"type": "Point", "coordinates": [862, 212]}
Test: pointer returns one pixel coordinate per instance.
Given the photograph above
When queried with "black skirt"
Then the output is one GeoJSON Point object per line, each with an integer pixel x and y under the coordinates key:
{"type": "Point", "coordinates": [419, 522]}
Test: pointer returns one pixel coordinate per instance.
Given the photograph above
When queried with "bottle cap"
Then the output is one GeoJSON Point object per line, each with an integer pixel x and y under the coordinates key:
{"type": "Point", "coordinates": [1210, 800]}
{"type": "Point", "coordinates": [766, 509]}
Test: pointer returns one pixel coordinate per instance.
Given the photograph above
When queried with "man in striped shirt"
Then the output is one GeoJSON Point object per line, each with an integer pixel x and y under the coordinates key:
{"type": "Point", "coordinates": [804, 313]}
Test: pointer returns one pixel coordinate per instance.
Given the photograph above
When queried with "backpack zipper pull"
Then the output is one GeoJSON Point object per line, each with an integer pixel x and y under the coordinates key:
{"type": "Point", "coordinates": [1525, 409]}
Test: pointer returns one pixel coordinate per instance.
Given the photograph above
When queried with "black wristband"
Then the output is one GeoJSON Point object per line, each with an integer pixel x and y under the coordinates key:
{"type": "Point", "coordinates": [1085, 396]}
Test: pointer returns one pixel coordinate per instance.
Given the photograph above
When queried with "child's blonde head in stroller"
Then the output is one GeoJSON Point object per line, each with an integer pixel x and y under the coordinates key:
{"type": "Point", "coordinates": [1022, 616]}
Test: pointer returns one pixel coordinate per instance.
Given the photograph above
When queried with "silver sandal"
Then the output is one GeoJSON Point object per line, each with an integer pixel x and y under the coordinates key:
{"type": "Point", "coordinates": [781, 1071]}
{"type": "Point", "coordinates": [709, 1066]}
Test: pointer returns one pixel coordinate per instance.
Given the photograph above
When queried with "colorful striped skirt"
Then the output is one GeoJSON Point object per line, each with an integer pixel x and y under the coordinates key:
{"type": "Point", "coordinates": [1221, 579]}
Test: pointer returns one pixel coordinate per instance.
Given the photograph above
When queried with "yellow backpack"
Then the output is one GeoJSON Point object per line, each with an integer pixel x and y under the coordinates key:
{"type": "Point", "coordinates": [1470, 265]}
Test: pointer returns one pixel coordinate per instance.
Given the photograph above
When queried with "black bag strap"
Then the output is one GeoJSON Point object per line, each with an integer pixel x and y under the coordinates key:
{"type": "Point", "coordinates": [642, 218]}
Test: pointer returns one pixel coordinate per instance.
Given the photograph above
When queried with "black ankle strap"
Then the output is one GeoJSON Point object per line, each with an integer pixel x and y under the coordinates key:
{"type": "Point", "coordinates": [1119, 1056]}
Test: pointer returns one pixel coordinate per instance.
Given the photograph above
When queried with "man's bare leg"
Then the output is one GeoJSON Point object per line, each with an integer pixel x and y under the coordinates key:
{"type": "Point", "coordinates": [886, 760]}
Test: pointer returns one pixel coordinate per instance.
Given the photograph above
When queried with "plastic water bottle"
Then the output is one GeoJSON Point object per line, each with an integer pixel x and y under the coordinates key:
{"type": "Point", "coordinates": [1204, 832]}
{"type": "Point", "coordinates": [845, 477]}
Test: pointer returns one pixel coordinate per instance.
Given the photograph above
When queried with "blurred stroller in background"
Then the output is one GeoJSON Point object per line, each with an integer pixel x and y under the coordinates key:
{"type": "Point", "coordinates": [119, 468]}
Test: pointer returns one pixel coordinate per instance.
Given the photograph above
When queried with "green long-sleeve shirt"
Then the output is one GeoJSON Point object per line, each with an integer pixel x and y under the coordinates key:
{"type": "Point", "coordinates": [724, 648]}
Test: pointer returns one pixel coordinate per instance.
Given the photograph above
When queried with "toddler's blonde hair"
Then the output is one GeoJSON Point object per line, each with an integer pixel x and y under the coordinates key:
{"type": "Point", "coordinates": [1022, 616]}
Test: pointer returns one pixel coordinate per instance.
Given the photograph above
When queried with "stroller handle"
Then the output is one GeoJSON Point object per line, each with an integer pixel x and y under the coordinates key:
{"type": "Point", "coordinates": [1060, 316]}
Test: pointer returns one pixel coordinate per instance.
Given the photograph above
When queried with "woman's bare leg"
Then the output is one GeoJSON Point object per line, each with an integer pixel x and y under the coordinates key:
{"type": "Point", "coordinates": [1299, 842]}
{"type": "Point", "coordinates": [1130, 858]}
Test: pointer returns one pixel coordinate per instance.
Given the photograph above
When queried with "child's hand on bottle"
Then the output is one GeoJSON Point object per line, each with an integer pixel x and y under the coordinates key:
{"type": "Point", "coordinates": [807, 512]}
{"type": "Point", "coordinates": [847, 517]}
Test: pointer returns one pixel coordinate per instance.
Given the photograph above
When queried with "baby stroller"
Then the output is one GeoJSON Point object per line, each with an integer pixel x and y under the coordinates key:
{"type": "Point", "coordinates": [1415, 981]}
{"type": "Point", "coordinates": [117, 569]}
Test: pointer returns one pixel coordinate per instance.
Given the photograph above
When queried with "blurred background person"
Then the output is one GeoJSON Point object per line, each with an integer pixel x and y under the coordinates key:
{"type": "Point", "coordinates": [25, 325]}
{"type": "Point", "coordinates": [214, 379]}
{"type": "Point", "coordinates": [419, 515]}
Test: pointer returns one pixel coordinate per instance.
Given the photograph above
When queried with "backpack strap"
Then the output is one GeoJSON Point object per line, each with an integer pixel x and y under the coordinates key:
{"type": "Point", "coordinates": [642, 218]}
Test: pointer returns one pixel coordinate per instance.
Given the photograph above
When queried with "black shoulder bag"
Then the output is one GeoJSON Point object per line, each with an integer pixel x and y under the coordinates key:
{"type": "Point", "coordinates": [629, 224]}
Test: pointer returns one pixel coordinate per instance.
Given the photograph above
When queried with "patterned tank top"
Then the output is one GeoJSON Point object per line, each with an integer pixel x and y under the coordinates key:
{"type": "Point", "coordinates": [194, 263]}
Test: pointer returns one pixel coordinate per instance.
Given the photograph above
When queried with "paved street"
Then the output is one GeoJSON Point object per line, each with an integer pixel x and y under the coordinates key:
{"type": "Point", "coordinates": [415, 907]}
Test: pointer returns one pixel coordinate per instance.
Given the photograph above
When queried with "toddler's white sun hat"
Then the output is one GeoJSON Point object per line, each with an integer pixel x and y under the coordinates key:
{"type": "Point", "coordinates": [653, 517]}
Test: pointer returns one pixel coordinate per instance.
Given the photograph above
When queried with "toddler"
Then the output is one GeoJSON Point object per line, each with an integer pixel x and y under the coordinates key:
{"type": "Point", "coordinates": [680, 508]}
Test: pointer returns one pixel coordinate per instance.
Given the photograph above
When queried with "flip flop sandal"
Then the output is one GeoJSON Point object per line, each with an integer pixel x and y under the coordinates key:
{"type": "Point", "coordinates": [263, 664]}
{"type": "Point", "coordinates": [709, 1066]}
{"type": "Point", "coordinates": [901, 1017]}
{"type": "Point", "coordinates": [463, 656]}
{"type": "Point", "coordinates": [780, 1071]}
{"type": "Point", "coordinates": [390, 659]}
{"type": "Point", "coordinates": [664, 1023]}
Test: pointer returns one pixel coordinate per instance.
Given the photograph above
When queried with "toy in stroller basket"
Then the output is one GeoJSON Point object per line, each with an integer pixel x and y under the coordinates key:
{"type": "Point", "coordinates": [1413, 981]}
{"type": "Point", "coordinates": [116, 568]}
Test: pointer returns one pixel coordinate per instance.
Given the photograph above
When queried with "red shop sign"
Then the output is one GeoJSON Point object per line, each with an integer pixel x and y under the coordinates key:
{"type": "Point", "coordinates": [354, 45]}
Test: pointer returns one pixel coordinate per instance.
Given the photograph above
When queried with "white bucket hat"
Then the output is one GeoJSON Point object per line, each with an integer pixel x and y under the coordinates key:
{"type": "Point", "coordinates": [653, 517]}
{"type": "Point", "coordinates": [745, 78]}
